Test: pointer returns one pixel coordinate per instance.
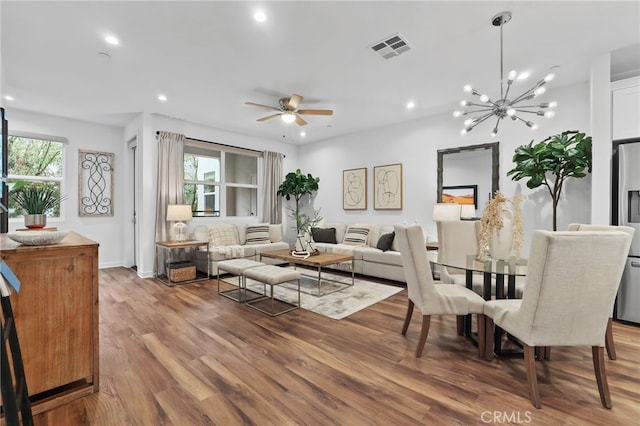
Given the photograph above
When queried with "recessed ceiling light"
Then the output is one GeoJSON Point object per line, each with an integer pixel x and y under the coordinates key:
{"type": "Point", "coordinates": [260, 16]}
{"type": "Point", "coordinates": [112, 40]}
{"type": "Point", "coordinates": [411, 105]}
{"type": "Point", "coordinates": [303, 134]}
{"type": "Point", "coordinates": [9, 98]}
{"type": "Point", "coordinates": [162, 98]}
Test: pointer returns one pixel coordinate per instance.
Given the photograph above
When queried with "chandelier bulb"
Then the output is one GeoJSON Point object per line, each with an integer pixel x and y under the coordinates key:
{"type": "Point", "coordinates": [468, 122]}
{"type": "Point", "coordinates": [467, 88]}
{"type": "Point", "coordinates": [465, 103]}
{"type": "Point", "coordinates": [553, 104]}
{"type": "Point", "coordinates": [549, 77]}
{"type": "Point", "coordinates": [484, 98]}
{"type": "Point", "coordinates": [457, 114]}
{"type": "Point", "coordinates": [550, 114]}
{"type": "Point", "coordinates": [512, 75]}
{"type": "Point", "coordinates": [511, 112]}
{"type": "Point", "coordinates": [494, 132]}
{"type": "Point", "coordinates": [539, 91]}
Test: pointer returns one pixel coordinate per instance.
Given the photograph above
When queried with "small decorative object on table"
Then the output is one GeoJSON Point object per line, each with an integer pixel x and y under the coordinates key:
{"type": "Point", "coordinates": [501, 232]}
{"type": "Point", "coordinates": [38, 238]}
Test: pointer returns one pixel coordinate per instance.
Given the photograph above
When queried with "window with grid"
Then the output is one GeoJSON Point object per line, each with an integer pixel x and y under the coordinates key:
{"type": "Point", "coordinates": [34, 161]}
{"type": "Point", "coordinates": [220, 181]}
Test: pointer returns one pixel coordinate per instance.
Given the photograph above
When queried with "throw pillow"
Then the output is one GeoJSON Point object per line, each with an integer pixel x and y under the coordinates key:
{"type": "Point", "coordinates": [223, 235]}
{"type": "Point", "coordinates": [324, 235]}
{"type": "Point", "coordinates": [356, 236]}
{"type": "Point", "coordinates": [258, 234]}
{"type": "Point", "coordinates": [385, 241]}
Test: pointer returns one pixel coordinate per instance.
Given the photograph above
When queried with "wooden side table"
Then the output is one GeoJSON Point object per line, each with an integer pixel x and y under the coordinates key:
{"type": "Point", "coordinates": [169, 247]}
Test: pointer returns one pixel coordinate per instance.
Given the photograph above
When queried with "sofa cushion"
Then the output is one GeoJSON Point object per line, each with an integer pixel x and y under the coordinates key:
{"type": "Point", "coordinates": [357, 235]}
{"type": "Point", "coordinates": [387, 257]}
{"type": "Point", "coordinates": [275, 233]}
{"type": "Point", "coordinates": [385, 241]}
{"type": "Point", "coordinates": [324, 235]}
{"type": "Point", "coordinates": [257, 234]}
{"type": "Point", "coordinates": [223, 235]}
{"type": "Point", "coordinates": [230, 252]}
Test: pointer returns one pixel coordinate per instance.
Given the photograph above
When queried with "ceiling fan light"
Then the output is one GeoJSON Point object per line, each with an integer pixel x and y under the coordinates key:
{"type": "Point", "coordinates": [288, 117]}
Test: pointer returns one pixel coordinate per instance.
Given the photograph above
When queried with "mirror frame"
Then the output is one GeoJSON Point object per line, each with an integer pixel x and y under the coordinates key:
{"type": "Point", "coordinates": [495, 164]}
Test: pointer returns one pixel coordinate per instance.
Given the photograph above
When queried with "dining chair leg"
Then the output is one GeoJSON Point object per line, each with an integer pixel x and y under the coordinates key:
{"type": "Point", "coordinates": [481, 332]}
{"type": "Point", "coordinates": [601, 375]}
{"type": "Point", "coordinates": [426, 321]}
{"type": "Point", "coordinates": [488, 338]}
{"type": "Point", "coordinates": [532, 379]}
{"type": "Point", "coordinates": [460, 324]}
{"type": "Point", "coordinates": [407, 318]}
{"type": "Point", "coordinates": [608, 341]}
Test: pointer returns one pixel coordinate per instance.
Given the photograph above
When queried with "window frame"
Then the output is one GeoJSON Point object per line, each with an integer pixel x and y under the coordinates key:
{"type": "Point", "coordinates": [44, 179]}
{"type": "Point", "coordinates": [199, 147]}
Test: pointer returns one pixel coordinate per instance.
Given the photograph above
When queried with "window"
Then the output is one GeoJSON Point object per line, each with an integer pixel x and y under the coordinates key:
{"type": "Point", "coordinates": [220, 181]}
{"type": "Point", "coordinates": [34, 161]}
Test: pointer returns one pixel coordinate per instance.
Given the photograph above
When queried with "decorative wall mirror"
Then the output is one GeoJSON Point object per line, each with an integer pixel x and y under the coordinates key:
{"type": "Point", "coordinates": [470, 165]}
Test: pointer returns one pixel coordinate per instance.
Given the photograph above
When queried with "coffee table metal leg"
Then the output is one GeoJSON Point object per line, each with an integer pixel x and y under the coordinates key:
{"type": "Point", "coordinates": [319, 280]}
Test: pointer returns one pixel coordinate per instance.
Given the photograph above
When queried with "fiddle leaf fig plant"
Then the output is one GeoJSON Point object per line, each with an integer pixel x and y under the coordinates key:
{"type": "Point", "coordinates": [551, 162]}
{"type": "Point", "coordinates": [296, 185]}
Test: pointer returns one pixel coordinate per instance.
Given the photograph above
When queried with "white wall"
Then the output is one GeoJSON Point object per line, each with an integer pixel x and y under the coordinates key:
{"type": "Point", "coordinates": [414, 144]}
{"type": "Point", "coordinates": [85, 136]}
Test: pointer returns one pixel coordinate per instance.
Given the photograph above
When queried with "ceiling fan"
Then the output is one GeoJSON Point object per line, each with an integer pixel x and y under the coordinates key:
{"type": "Point", "coordinates": [288, 110]}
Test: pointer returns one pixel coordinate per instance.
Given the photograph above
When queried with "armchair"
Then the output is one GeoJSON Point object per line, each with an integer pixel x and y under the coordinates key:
{"type": "Point", "coordinates": [572, 280]}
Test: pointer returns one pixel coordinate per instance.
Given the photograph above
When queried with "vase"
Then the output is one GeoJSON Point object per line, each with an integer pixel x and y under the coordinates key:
{"type": "Point", "coordinates": [501, 240]}
{"type": "Point", "coordinates": [35, 221]}
{"type": "Point", "coordinates": [301, 244]}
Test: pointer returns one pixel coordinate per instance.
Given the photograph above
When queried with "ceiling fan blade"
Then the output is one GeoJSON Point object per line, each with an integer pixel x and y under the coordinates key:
{"type": "Point", "coordinates": [294, 101]}
{"type": "Point", "coordinates": [262, 106]}
{"type": "Point", "coordinates": [300, 121]}
{"type": "Point", "coordinates": [315, 111]}
{"type": "Point", "coordinates": [268, 117]}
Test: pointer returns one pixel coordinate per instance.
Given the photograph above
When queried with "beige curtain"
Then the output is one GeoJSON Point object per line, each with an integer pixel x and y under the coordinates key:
{"type": "Point", "coordinates": [273, 176]}
{"type": "Point", "coordinates": [170, 183]}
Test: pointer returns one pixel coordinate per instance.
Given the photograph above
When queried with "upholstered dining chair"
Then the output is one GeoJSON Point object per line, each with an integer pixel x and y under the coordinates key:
{"type": "Point", "coordinates": [428, 297]}
{"type": "Point", "coordinates": [608, 341]}
{"type": "Point", "coordinates": [572, 280]}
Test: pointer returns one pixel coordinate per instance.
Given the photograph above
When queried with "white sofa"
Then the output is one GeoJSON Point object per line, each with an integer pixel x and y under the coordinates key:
{"type": "Point", "coordinates": [233, 241]}
{"type": "Point", "coordinates": [368, 259]}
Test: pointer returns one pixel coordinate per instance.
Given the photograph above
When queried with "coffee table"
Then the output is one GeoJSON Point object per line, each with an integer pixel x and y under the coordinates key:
{"type": "Point", "coordinates": [316, 261]}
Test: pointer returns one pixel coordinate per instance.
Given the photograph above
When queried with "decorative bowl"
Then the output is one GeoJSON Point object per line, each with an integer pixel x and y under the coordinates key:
{"type": "Point", "coordinates": [38, 238]}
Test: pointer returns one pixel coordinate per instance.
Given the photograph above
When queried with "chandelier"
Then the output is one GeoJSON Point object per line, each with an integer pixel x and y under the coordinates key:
{"type": "Point", "coordinates": [505, 107]}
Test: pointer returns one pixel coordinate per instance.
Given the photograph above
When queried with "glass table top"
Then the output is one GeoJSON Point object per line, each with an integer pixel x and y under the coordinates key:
{"type": "Point", "coordinates": [513, 266]}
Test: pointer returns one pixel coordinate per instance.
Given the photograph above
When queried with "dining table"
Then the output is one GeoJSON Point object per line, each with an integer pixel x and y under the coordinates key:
{"type": "Point", "coordinates": [501, 272]}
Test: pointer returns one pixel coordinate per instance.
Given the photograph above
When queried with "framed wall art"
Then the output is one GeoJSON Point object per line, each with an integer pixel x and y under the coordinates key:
{"type": "Point", "coordinates": [95, 183]}
{"type": "Point", "coordinates": [387, 187]}
{"type": "Point", "coordinates": [461, 194]}
{"type": "Point", "coordinates": [354, 189]}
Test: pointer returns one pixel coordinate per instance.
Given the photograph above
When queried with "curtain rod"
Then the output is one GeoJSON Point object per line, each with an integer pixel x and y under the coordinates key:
{"type": "Point", "coordinates": [218, 143]}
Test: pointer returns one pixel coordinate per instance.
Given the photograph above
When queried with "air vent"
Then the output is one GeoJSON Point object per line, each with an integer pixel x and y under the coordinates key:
{"type": "Point", "coordinates": [390, 47]}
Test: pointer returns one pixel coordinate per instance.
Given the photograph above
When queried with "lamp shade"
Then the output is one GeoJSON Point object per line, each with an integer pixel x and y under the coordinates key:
{"type": "Point", "coordinates": [179, 212]}
{"type": "Point", "coordinates": [467, 211]}
{"type": "Point", "coordinates": [446, 211]}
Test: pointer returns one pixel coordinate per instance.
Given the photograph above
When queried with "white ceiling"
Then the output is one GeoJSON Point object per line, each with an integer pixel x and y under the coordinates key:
{"type": "Point", "coordinates": [209, 57]}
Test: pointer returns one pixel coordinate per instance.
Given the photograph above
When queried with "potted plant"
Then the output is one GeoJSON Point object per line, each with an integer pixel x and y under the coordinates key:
{"type": "Point", "coordinates": [552, 161]}
{"type": "Point", "coordinates": [297, 185]}
{"type": "Point", "coordinates": [35, 201]}
{"type": "Point", "coordinates": [501, 230]}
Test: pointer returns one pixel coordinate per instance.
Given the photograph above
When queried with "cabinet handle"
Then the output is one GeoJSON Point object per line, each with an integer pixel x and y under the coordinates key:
{"type": "Point", "coordinates": [635, 264]}
{"type": "Point", "coordinates": [70, 268]}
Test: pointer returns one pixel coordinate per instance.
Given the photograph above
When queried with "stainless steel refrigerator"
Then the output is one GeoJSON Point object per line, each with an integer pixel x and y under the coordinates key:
{"type": "Point", "coordinates": [627, 207]}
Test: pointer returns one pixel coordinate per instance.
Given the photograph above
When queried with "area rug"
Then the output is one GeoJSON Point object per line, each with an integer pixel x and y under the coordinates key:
{"type": "Point", "coordinates": [338, 300]}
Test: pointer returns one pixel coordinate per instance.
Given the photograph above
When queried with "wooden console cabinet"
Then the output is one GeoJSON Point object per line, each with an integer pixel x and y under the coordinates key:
{"type": "Point", "coordinates": [56, 315]}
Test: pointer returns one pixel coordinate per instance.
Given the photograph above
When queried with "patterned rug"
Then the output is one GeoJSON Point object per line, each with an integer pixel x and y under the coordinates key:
{"type": "Point", "coordinates": [338, 298]}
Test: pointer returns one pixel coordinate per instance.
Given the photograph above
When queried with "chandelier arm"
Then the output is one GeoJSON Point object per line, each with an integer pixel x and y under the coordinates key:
{"type": "Point", "coordinates": [495, 129]}
{"type": "Point", "coordinates": [478, 110]}
{"type": "Point", "coordinates": [507, 92]}
{"type": "Point", "coordinates": [527, 111]}
{"type": "Point", "coordinates": [481, 119]}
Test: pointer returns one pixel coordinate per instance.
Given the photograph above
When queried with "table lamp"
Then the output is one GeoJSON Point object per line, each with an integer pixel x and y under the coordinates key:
{"type": "Point", "coordinates": [179, 213]}
{"type": "Point", "coordinates": [446, 211]}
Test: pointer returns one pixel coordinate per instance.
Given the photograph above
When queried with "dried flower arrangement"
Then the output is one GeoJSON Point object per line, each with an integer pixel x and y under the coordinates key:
{"type": "Point", "coordinates": [492, 222]}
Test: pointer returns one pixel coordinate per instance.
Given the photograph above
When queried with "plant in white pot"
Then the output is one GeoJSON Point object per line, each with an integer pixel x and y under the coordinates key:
{"type": "Point", "coordinates": [296, 185]}
{"type": "Point", "coordinates": [502, 230]}
{"type": "Point", "coordinates": [36, 201]}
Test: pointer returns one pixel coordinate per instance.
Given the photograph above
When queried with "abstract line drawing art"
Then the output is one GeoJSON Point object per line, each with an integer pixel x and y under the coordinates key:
{"type": "Point", "coordinates": [387, 182]}
{"type": "Point", "coordinates": [95, 181]}
{"type": "Point", "coordinates": [354, 189]}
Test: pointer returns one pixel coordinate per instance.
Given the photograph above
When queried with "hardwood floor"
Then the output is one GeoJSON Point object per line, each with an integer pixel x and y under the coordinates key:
{"type": "Point", "coordinates": [186, 356]}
